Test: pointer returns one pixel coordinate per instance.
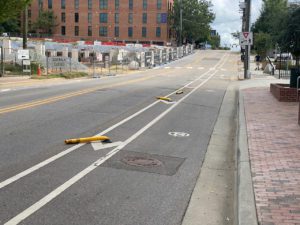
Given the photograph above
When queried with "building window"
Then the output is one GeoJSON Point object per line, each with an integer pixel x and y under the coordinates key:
{"type": "Point", "coordinates": [130, 18]}
{"type": "Point", "coordinates": [130, 4]}
{"type": "Point", "coordinates": [63, 17]}
{"type": "Point", "coordinates": [103, 17]}
{"type": "Point", "coordinates": [145, 4]}
{"type": "Point", "coordinates": [103, 4]}
{"type": "Point", "coordinates": [116, 31]}
{"type": "Point", "coordinates": [130, 31]}
{"type": "Point", "coordinates": [158, 31]}
{"type": "Point", "coordinates": [76, 4]}
{"type": "Point", "coordinates": [90, 17]}
{"type": "Point", "coordinates": [63, 4]}
{"type": "Point", "coordinates": [29, 13]}
{"type": "Point", "coordinates": [144, 17]}
{"type": "Point", "coordinates": [117, 17]}
{"type": "Point", "coordinates": [76, 30]}
{"type": "Point", "coordinates": [90, 4]}
{"type": "Point", "coordinates": [103, 31]}
{"type": "Point", "coordinates": [144, 32]}
{"type": "Point", "coordinates": [63, 30]}
{"type": "Point", "coordinates": [117, 4]}
{"type": "Point", "coordinates": [90, 32]}
{"type": "Point", "coordinates": [49, 4]}
{"type": "Point", "coordinates": [158, 4]}
{"type": "Point", "coordinates": [158, 18]}
{"type": "Point", "coordinates": [76, 17]}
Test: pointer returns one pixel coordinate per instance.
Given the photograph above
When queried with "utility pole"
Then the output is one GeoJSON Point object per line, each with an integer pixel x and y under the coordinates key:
{"type": "Point", "coordinates": [246, 28]}
{"type": "Point", "coordinates": [25, 27]}
{"type": "Point", "coordinates": [180, 33]}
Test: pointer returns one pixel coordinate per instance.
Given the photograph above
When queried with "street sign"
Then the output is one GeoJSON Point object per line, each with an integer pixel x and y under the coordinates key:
{"type": "Point", "coordinates": [26, 62]}
{"type": "Point", "coordinates": [23, 54]}
{"type": "Point", "coordinates": [58, 62]}
{"type": "Point", "coordinates": [246, 38]}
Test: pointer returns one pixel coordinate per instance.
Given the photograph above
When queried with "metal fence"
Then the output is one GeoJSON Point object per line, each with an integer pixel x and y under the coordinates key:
{"type": "Point", "coordinates": [94, 60]}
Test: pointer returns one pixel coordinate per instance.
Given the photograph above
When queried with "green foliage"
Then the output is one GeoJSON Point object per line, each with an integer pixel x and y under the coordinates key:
{"type": "Point", "coordinates": [11, 8]}
{"type": "Point", "coordinates": [196, 19]}
{"type": "Point", "coordinates": [291, 37]}
{"type": "Point", "coordinates": [214, 41]}
{"type": "Point", "coordinates": [10, 25]}
{"type": "Point", "coordinates": [262, 43]}
{"type": "Point", "coordinates": [272, 19]}
{"type": "Point", "coordinates": [45, 22]}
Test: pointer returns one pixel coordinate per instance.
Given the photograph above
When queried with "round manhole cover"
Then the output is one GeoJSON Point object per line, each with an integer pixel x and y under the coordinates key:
{"type": "Point", "coordinates": [141, 161]}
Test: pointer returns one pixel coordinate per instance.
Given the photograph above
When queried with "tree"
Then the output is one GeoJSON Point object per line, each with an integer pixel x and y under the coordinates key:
{"type": "Point", "coordinates": [45, 22]}
{"type": "Point", "coordinates": [214, 41]}
{"type": "Point", "coordinates": [10, 26]}
{"type": "Point", "coordinates": [11, 8]}
{"type": "Point", "coordinates": [291, 37]}
{"type": "Point", "coordinates": [262, 43]}
{"type": "Point", "coordinates": [272, 19]}
{"type": "Point", "coordinates": [196, 19]}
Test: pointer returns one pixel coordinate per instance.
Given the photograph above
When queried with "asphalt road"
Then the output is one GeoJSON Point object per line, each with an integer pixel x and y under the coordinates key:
{"type": "Point", "coordinates": [148, 172]}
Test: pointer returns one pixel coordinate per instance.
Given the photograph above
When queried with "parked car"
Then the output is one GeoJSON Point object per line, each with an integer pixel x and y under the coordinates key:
{"type": "Point", "coordinates": [284, 57]}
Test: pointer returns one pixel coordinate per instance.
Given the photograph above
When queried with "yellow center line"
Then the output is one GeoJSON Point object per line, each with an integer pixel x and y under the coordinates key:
{"type": "Point", "coordinates": [74, 94]}
{"type": "Point", "coordinates": [69, 95]}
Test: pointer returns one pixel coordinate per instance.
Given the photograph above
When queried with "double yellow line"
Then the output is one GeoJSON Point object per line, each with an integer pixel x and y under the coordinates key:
{"type": "Point", "coordinates": [69, 95]}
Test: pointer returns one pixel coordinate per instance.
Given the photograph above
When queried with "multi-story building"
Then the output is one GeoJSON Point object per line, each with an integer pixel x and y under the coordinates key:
{"type": "Point", "coordinates": [128, 21]}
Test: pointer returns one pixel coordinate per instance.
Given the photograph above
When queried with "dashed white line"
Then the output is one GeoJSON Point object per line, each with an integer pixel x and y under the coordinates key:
{"type": "Point", "coordinates": [39, 204]}
{"type": "Point", "coordinates": [69, 150]}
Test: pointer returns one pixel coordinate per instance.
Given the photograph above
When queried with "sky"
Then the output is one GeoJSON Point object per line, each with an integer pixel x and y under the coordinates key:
{"type": "Point", "coordinates": [228, 18]}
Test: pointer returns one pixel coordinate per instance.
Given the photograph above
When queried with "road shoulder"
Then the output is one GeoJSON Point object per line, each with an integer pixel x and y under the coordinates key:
{"type": "Point", "coordinates": [213, 196]}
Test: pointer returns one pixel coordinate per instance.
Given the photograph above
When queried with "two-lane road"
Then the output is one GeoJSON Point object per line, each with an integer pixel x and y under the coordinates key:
{"type": "Point", "coordinates": [146, 176]}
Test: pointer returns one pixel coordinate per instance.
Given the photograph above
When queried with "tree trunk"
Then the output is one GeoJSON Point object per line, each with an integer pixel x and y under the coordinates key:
{"type": "Point", "coordinates": [25, 27]}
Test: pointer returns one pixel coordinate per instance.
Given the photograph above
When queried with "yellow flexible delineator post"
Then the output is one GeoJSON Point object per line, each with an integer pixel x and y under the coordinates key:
{"type": "Point", "coordinates": [164, 98]}
{"type": "Point", "coordinates": [86, 139]}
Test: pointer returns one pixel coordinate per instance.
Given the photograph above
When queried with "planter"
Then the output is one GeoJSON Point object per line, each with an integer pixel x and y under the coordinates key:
{"type": "Point", "coordinates": [295, 73]}
{"type": "Point", "coordinates": [284, 93]}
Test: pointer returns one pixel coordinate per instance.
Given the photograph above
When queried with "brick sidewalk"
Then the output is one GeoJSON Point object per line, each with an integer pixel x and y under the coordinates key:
{"type": "Point", "coordinates": [274, 147]}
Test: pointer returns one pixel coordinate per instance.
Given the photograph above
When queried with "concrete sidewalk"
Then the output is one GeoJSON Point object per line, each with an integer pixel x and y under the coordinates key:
{"type": "Point", "coordinates": [269, 159]}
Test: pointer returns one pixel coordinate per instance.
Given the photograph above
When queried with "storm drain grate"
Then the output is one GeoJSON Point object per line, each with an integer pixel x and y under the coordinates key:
{"type": "Point", "coordinates": [144, 162]}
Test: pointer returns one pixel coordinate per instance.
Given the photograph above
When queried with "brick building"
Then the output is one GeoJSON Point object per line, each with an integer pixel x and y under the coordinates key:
{"type": "Point", "coordinates": [129, 21]}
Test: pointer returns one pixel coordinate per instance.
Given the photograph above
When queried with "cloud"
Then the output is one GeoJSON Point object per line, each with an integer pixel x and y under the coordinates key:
{"type": "Point", "coordinates": [228, 18]}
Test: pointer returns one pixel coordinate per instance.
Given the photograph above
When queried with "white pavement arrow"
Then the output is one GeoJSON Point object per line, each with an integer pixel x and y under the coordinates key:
{"type": "Point", "coordinates": [99, 145]}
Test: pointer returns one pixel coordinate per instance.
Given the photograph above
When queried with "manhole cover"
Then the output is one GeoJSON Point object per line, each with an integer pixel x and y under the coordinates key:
{"type": "Point", "coordinates": [141, 161]}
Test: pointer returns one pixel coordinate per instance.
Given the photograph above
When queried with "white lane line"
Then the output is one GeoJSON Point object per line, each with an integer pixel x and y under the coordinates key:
{"type": "Point", "coordinates": [39, 204]}
{"type": "Point", "coordinates": [5, 90]}
{"type": "Point", "coordinates": [200, 68]}
{"type": "Point", "coordinates": [167, 67]}
{"type": "Point", "coordinates": [189, 67]}
{"type": "Point", "coordinates": [67, 151]}
{"type": "Point", "coordinates": [178, 67]}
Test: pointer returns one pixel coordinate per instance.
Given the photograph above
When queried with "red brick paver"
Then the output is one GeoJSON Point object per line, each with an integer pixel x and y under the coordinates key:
{"type": "Point", "coordinates": [274, 147]}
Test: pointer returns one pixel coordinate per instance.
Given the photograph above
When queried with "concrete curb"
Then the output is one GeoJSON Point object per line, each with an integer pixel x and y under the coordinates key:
{"type": "Point", "coordinates": [246, 210]}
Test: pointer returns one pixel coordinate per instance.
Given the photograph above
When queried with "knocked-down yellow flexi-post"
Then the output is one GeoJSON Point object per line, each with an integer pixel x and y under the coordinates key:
{"type": "Point", "coordinates": [86, 139]}
{"type": "Point", "coordinates": [164, 98]}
